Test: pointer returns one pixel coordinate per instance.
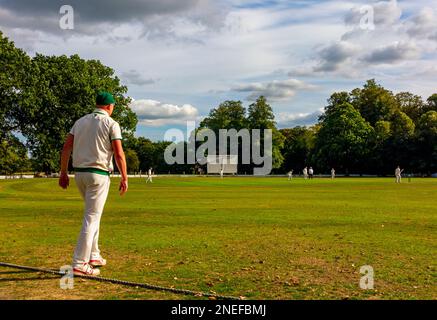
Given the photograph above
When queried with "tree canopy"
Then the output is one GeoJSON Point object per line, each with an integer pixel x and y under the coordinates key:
{"type": "Point", "coordinates": [42, 97]}
{"type": "Point", "coordinates": [366, 130]}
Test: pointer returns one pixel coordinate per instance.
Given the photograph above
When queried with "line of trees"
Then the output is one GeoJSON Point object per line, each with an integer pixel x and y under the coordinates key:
{"type": "Point", "coordinates": [367, 130]}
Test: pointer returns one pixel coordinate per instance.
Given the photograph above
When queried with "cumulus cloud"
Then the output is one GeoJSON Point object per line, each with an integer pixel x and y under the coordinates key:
{"type": "Point", "coordinates": [135, 78]}
{"type": "Point", "coordinates": [393, 53]}
{"type": "Point", "coordinates": [286, 119]}
{"type": "Point", "coordinates": [156, 113]}
{"type": "Point", "coordinates": [360, 51]}
{"type": "Point", "coordinates": [423, 25]}
{"type": "Point", "coordinates": [332, 56]}
{"type": "Point", "coordinates": [274, 90]}
{"type": "Point", "coordinates": [385, 13]}
{"type": "Point", "coordinates": [97, 16]}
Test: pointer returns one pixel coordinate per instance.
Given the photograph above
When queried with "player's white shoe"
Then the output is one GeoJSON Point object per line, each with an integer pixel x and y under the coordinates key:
{"type": "Point", "coordinates": [86, 270]}
{"type": "Point", "coordinates": [100, 262]}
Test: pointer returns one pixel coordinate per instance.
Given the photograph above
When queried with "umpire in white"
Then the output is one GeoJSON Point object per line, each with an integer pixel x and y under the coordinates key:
{"type": "Point", "coordinates": [94, 139]}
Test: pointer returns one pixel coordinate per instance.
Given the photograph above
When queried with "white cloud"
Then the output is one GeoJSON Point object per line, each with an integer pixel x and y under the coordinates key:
{"type": "Point", "coordinates": [422, 25]}
{"type": "Point", "coordinates": [99, 17]}
{"type": "Point", "coordinates": [393, 53]}
{"type": "Point", "coordinates": [155, 113]}
{"type": "Point", "coordinates": [274, 90]}
{"type": "Point", "coordinates": [385, 13]}
{"type": "Point", "coordinates": [335, 55]}
{"type": "Point", "coordinates": [286, 119]}
{"type": "Point", "coordinates": [136, 78]}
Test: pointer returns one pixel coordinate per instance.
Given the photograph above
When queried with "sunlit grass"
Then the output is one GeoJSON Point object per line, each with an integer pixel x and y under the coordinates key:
{"type": "Point", "coordinates": [263, 238]}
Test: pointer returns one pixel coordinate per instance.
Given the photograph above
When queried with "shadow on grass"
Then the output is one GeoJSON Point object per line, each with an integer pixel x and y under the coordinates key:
{"type": "Point", "coordinates": [15, 272]}
{"type": "Point", "coordinates": [38, 277]}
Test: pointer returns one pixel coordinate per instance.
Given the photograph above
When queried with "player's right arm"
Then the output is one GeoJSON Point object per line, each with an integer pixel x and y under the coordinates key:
{"type": "Point", "coordinates": [120, 160]}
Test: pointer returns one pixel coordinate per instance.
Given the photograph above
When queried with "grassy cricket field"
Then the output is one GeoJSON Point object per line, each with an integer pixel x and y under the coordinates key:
{"type": "Point", "coordinates": [261, 238]}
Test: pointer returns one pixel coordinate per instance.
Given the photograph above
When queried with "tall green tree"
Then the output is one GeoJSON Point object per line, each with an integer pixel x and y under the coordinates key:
{"type": "Point", "coordinates": [431, 104]}
{"type": "Point", "coordinates": [17, 79]}
{"type": "Point", "coordinates": [426, 152]}
{"type": "Point", "coordinates": [132, 161]}
{"type": "Point", "coordinates": [13, 156]}
{"type": "Point", "coordinates": [65, 91]}
{"type": "Point", "coordinates": [374, 102]}
{"type": "Point", "coordinates": [261, 116]}
{"type": "Point", "coordinates": [342, 140]}
{"type": "Point", "coordinates": [229, 114]}
{"type": "Point", "coordinates": [298, 146]}
{"type": "Point", "coordinates": [411, 104]}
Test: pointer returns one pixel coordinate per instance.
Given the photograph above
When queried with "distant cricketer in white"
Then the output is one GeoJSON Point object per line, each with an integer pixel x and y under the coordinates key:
{"type": "Point", "coordinates": [94, 139]}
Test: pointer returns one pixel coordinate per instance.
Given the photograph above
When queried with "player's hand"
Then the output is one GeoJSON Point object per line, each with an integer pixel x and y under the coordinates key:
{"type": "Point", "coordinates": [123, 187]}
{"type": "Point", "coordinates": [64, 180]}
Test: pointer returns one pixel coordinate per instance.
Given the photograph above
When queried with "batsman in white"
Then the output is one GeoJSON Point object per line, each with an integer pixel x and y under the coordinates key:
{"type": "Point", "coordinates": [398, 174]}
{"type": "Point", "coordinates": [290, 175]}
{"type": "Point", "coordinates": [94, 139]}
{"type": "Point", "coordinates": [332, 173]}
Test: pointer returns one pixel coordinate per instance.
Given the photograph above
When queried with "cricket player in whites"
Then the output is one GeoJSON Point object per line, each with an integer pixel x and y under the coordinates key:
{"type": "Point", "coordinates": [305, 173]}
{"type": "Point", "coordinates": [149, 176]}
{"type": "Point", "coordinates": [94, 139]}
{"type": "Point", "coordinates": [332, 173]}
{"type": "Point", "coordinates": [398, 173]}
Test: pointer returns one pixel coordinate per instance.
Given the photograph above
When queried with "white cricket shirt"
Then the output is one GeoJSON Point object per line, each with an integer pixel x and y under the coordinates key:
{"type": "Point", "coordinates": [93, 136]}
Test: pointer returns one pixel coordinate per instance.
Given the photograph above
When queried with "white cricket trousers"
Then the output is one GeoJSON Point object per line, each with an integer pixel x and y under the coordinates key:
{"type": "Point", "coordinates": [94, 189]}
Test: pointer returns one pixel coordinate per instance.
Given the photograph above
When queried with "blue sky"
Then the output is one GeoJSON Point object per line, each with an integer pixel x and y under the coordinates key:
{"type": "Point", "coordinates": [181, 58]}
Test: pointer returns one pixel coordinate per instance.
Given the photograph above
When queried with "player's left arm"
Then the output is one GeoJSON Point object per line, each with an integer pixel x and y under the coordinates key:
{"type": "Point", "coordinates": [64, 181]}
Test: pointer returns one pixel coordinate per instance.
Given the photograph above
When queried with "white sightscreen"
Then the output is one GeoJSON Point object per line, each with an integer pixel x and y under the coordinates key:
{"type": "Point", "coordinates": [215, 163]}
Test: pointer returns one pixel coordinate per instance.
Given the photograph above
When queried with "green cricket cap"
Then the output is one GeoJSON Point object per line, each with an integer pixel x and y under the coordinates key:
{"type": "Point", "coordinates": [104, 98]}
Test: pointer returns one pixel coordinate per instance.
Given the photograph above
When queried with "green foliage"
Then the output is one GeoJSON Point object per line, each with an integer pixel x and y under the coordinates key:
{"type": "Point", "coordinates": [67, 91]}
{"type": "Point", "coordinates": [232, 115]}
{"type": "Point", "coordinates": [431, 103]}
{"type": "Point", "coordinates": [412, 105]}
{"type": "Point", "coordinates": [42, 98]}
{"type": "Point", "coordinates": [382, 131]}
{"type": "Point", "coordinates": [13, 156]}
{"type": "Point", "coordinates": [132, 161]}
{"type": "Point", "coordinates": [261, 116]}
{"type": "Point", "coordinates": [229, 114]}
{"type": "Point", "coordinates": [151, 155]}
{"type": "Point", "coordinates": [374, 102]}
{"type": "Point", "coordinates": [343, 139]}
{"type": "Point", "coordinates": [16, 90]}
{"type": "Point", "coordinates": [402, 126]}
{"type": "Point", "coordinates": [298, 146]}
{"type": "Point", "coordinates": [427, 142]}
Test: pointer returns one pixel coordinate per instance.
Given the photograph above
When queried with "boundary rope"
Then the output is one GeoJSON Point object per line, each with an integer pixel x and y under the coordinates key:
{"type": "Point", "coordinates": [126, 283]}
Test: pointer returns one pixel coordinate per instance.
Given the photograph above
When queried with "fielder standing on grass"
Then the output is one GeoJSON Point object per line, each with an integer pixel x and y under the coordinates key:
{"type": "Point", "coordinates": [290, 174]}
{"type": "Point", "coordinates": [94, 139]}
{"type": "Point", "coordinates": [149, 176]}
